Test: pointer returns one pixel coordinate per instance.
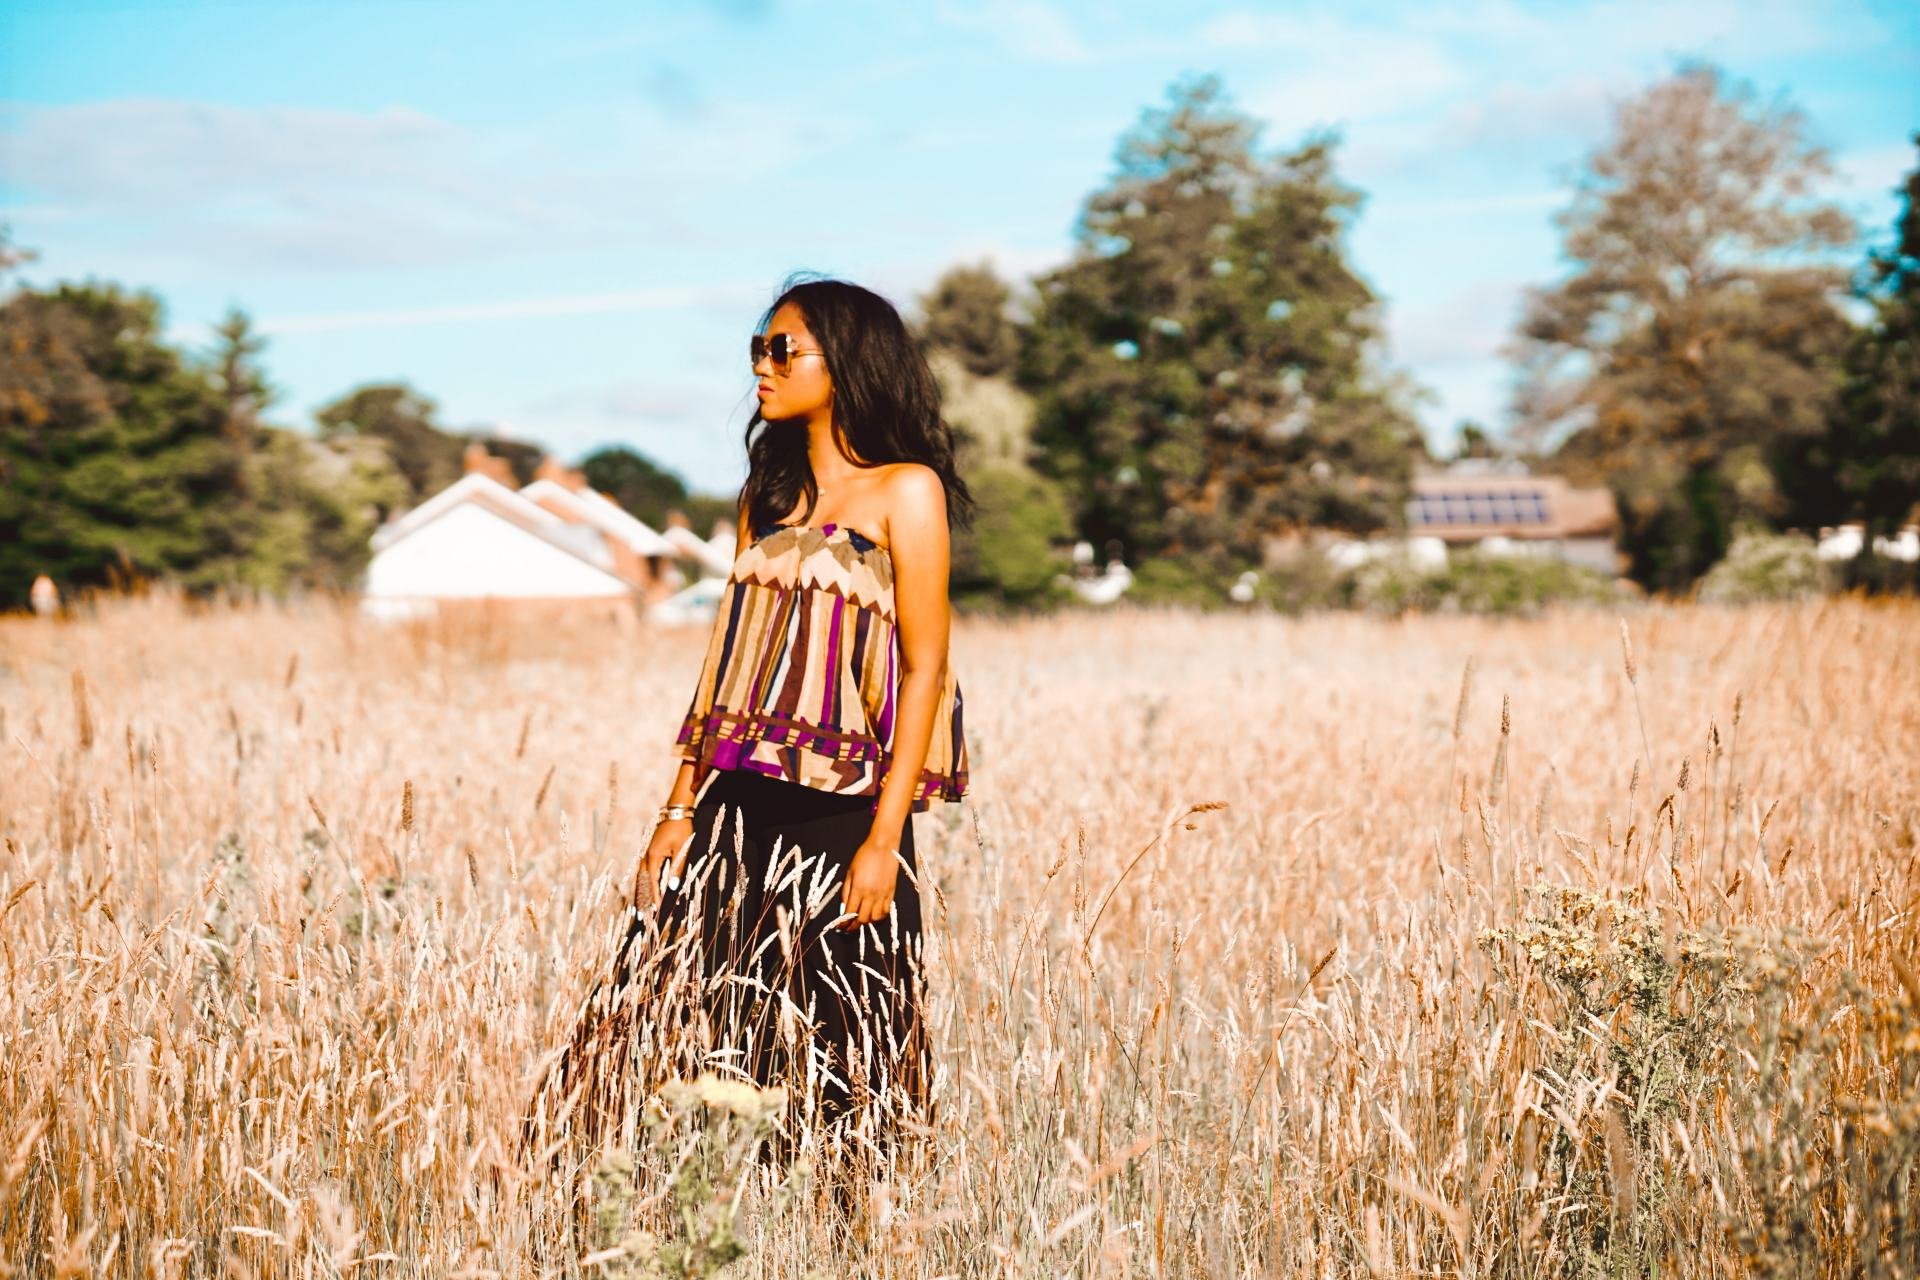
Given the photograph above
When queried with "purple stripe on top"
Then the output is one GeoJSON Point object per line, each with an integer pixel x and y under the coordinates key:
{"type": "Point", "coordinates": [886, 710]}
{"type": "Point", "coordinates": [827, 716]}
{"type": "Point", "coordinates": [854, 755]}
{"type": "Point", "coordinates": [729, 752]}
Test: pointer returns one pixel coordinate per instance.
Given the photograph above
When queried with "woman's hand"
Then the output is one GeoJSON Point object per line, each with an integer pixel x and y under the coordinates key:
{"type": "Point", "coordinates": [871, 876]}
{"type": "Point", "coordinates": [671, 841]}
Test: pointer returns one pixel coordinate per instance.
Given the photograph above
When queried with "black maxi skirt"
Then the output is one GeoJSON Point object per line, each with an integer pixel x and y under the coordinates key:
{"type": "Point", "coordinates": [788, 996]}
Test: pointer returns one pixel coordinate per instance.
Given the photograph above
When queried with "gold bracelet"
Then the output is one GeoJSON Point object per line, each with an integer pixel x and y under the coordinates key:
{"type": "Point", "coordinates": [671, 811]}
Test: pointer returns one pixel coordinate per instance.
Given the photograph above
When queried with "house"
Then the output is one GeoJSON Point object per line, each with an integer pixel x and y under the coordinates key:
{"type": "Point", "coordinates": [1844, 542]}
{"type": "Point", "coordinates": [712, 556]}
{"type": "Point", "coordinates": [1503, 509]}
{"type": "Point", "coordinates": [554, 541]}
{"type": "Point", "coordinates": [1495, 506]}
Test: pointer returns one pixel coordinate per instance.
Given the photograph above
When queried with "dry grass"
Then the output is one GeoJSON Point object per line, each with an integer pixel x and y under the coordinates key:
{"type": "Point", "coordinates": [296, 910]}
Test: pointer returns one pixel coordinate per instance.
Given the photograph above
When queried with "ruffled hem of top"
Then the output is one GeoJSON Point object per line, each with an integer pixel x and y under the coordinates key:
{"type": "Point", "coordinates": [857, 774]}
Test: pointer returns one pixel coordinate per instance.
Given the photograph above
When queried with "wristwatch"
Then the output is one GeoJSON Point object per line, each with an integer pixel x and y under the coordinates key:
{"type": "Point", "coordinates": [670, 811]}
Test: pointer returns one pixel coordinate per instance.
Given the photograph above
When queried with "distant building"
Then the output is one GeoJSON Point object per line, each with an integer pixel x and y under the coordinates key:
{"type": "Point", "coordinates": [712, 555]}
{"type": "Point", "coordinates": [1844, 542]}
{"type": "Point", "coordinates": [556, 540]}
{"type": "Point", "coordinates": [710, 559]}
{"type": "Point", "coordinates": [1493, 505]}
{"type": "Point", "coordinates": [1504, 509]}
{"type": "Point", "coordinates": [44, 596]}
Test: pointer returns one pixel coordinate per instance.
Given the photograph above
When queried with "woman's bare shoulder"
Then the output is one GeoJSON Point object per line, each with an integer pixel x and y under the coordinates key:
{"type": "Point", "coordinates": [913, 485]}
{"type": "Point", "coordinates": [916, 500]}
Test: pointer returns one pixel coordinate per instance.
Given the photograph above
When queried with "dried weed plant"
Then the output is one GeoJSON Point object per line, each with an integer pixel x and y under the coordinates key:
{"type": "Point", "coordinates": [298, 915]}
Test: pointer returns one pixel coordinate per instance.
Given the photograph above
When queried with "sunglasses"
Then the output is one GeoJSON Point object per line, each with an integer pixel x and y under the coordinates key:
{"type": "Point", "coordinates": [780, 348]}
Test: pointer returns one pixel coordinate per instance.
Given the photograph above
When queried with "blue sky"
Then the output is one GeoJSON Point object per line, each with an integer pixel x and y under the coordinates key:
{"type": "Point", "coordinates": [563, 220]}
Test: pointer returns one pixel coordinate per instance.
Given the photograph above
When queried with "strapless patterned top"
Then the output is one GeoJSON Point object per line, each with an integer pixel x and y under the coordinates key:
{"type": "Point", "coordinates": [802, 669]}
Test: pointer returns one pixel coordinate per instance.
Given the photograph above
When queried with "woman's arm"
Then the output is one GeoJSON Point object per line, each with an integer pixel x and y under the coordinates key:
{"type": "Point", "coordinates": [681, 791]}
{"type": "Point", "coordinates": [668, 845]}
{"type": "Point", "coordinates": [917, 537]}
{"type": "Point", "coordinates": [917, 540]}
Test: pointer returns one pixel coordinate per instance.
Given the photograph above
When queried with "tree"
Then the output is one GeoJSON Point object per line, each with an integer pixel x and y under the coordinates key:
{"type": "Point", "coordinates": [1474, 442]}
{"type": "Point", "coordinates": [1011, 553]}
{"type": "Point", "coordinates": [114, 452]}
{"type": "Point", "coordinates": [236, 371]}
{"type": "Point", "coordinates": [647, 491]}
{"type": "Point", "coordinates": [316, 505]}
{"type": "Point", "coordinates": [1679, 361]}
{"type": "Point", "coordinates": [1200, 366]}
{"type": "Point", "coordinates": [428, 457]}
{"type": "Point", "coordinates": [523, 457]}
{"type": "Point", "coordinates": [11, 254]}
{"type": "Point", "coordinates": [965, 314]}
{"type": "Point", "coordinates": [1866, 464]}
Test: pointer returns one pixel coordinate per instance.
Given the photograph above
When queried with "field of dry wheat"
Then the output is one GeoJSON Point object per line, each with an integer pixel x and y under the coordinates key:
{"type": "Point", "coordinates": [1335, 946]}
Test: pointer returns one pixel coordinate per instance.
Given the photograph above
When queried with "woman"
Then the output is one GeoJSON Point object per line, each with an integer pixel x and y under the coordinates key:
{"type": "Point", "coordinates": [825, 714]}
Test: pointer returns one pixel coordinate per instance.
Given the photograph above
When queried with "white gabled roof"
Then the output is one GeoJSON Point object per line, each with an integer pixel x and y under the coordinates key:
{"type": "Point", "coordinates": [470, 486]}
{"type": "Point", "coordinates": [602, 512]}
{"type": "Point", "coordinates": [713, 554]}
{"type": "Point", "coordinates": [475, 487]}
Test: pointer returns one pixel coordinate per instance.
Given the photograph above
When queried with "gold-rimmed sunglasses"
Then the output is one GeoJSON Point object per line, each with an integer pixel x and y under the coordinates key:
{"type": "Point", "coordinates": [780, 348]}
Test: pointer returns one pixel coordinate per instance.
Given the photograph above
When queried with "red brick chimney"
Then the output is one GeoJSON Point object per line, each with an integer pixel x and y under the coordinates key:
{"type": "Point", "coordinates": [476, 458]}
{"type": "Point", "coordinates": [551, 468]}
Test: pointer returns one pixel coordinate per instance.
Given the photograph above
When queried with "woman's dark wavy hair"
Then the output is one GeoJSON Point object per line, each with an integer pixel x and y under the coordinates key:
{"type": "Point", "coordinates": [886, 405]}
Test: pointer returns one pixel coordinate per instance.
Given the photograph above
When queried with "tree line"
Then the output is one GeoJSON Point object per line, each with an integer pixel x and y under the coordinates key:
{"type": "Point", "coordinates": [1204, 380]}
{"type": "Point", "coordinates": [124, 459]}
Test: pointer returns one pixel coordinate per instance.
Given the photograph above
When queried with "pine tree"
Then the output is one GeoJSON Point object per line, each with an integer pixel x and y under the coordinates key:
{"type": "Point", "coordinates": [1866, 465]}
{"type": "Point", "coordinates": [427, 456]}
{"type": "Point", "coordinates": [965, 315]}
{"type": "Point", "coordinates": [115, 459]}
{"type": "Point", "coordinates": [1201, 366]}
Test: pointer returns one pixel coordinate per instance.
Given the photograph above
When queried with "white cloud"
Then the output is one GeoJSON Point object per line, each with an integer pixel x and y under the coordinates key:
{"type": "Point", "coordinates": [229, 188]}
{"type": "Point", "coordinates": [1568, 39]}
{"type": "Point", "coordinates": [1332, 71]}
{"type": "Point", "coordinates": [574, 304]}
{"type": "Point", "coordinates": [154, 153]}
{"type": "Point", "coordinates": [903, 282]}
{"type": "Point", "coordinates": [1031, 28]}
{"type": "Point", "coordinates": [1511, 113]}
{"type": "Point", "coordinates": [1428, 84]}
{"type": "Point", "coordinates": [1874, 171]}
{"type": "Point", "coordinates": [1427, 209]}
{"type": "Point", "coordinates": [248, 186]}
{"type": "Point", "coordinates": [635, 403]}
{"type": "Point", "coordinates": [1466, 326]}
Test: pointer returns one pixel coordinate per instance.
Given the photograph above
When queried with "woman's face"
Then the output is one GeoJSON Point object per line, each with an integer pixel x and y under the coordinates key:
{"type": "Point", "coordinates": [806, 387]}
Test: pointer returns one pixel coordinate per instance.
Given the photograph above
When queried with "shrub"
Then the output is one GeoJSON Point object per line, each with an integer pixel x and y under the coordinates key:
{"type": "Point", "coordinates": [1640, 1004]}
{"type": "Point", "coordinates": [1009, 555]}
{"type": "Point", "coordinates": [1301, 582]}
{"type": "Point", "coordinates": [1392, 584]}
{"type": "Point", "coordinates": [1879, 575]}
{"type": "Point", "coordinates": [706, 1132]}
{"type": "Point", "coordinates": [1169, 581]}
{"type": "Point", "coordinates": [1767, 566]}
{"type": "Point", "coordinates": [1826, 1123]}
{"type": "Point", "coordinates": [1474, 582]}
{"type": "Point", "coordinates": [1655, 1029]}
